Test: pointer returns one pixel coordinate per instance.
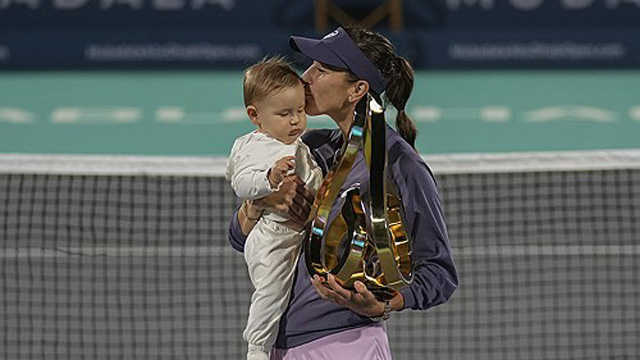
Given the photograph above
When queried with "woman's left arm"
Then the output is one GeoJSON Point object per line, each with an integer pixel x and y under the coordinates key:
{"type": "Point", "coordinates": [435, 276]}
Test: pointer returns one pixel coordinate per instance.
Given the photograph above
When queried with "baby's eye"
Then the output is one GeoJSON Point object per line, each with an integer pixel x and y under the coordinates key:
{"type": "Point", "coordinates": [286, 113]}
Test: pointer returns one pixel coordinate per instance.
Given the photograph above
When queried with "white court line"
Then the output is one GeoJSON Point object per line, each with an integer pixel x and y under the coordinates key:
{"type": "Point", "coordinates": [196, 251]}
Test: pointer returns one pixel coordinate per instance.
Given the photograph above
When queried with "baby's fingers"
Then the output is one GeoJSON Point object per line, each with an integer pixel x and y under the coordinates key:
{"type": "Point", "coordinates": [288, 161]}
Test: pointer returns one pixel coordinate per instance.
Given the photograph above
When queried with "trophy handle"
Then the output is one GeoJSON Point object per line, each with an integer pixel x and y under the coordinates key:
{"type": "Point", "coordinates": [323, 241]}
{"type": "Point", "coordinates": [366, 241]}
{"type": "Point", "coordinates": [392, 243]}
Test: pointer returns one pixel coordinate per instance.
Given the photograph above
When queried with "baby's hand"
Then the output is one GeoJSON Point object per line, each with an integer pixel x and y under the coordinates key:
{"type": "Point", "coordinates": [280, 169]}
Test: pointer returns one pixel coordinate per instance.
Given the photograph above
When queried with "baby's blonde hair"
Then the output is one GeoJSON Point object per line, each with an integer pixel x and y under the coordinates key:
{"type": "Point", "coordinates": [268, 77]}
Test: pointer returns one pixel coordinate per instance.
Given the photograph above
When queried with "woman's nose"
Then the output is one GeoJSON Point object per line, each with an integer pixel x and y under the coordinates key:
{"type": "Point", "coordinates": [306, 77]}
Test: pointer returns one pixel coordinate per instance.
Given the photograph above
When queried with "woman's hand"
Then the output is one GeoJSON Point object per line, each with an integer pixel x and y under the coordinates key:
{"type": "Point", "coordinates": [360, 301]}
{"type": "Point", "coordinates": [293, 200]}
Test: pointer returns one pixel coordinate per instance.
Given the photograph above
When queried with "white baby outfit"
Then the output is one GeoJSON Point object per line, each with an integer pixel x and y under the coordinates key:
{"type": "Point", "coordinates": [271, 250]}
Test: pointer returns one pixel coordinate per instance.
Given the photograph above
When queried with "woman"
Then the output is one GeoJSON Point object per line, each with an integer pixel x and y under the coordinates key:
{"type": "Point", "coordinates": [325, 320]}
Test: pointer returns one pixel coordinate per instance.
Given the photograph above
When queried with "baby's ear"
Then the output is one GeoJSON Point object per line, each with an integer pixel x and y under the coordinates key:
{"type": "Point", "coordinates": [252, 112]}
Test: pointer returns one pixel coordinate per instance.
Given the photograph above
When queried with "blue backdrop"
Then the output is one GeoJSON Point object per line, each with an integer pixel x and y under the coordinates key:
{"type": "Point", "coordinates": [443, 34]}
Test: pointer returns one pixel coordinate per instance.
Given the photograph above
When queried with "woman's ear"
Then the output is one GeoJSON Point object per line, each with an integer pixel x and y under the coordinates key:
{"type": "Point", "coordinates": [358, 90]}
{"type": "Point", "coordinates": [252, 112]}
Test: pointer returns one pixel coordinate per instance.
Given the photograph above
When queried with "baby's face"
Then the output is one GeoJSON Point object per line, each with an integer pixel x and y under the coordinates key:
{"type": "Point", "coordinates": [282, 115]}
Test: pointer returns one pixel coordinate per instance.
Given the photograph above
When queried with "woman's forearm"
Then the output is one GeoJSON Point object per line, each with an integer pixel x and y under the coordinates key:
{"type": "Point", "coordinates": [248, 216]}
{"type": "Point", "coordinates": [397, 302]}
{"type": "Point", "coordinates": [292, 195]}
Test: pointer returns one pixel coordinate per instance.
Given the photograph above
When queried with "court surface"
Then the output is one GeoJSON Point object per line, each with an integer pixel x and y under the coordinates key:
{"type": "Point", "coordinates": [201, 113]}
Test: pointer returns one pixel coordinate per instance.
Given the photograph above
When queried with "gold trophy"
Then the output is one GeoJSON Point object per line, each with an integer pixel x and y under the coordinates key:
{"type": "Point", "coordinates": [366, 241]}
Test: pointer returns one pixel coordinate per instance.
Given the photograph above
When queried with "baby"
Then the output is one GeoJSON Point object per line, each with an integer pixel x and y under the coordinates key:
{"type": "Point", "coordinates": [259, 161]}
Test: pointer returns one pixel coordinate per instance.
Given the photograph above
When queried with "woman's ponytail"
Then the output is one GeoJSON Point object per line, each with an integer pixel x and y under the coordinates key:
{"type": "Point", "coordinates": [399, 87]}
{"type": "Point", "coordinates": [396, 70]}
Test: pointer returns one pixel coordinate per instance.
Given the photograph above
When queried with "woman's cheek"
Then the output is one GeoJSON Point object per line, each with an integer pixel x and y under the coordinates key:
{"type": "Point", "coordinates": [310, 107]}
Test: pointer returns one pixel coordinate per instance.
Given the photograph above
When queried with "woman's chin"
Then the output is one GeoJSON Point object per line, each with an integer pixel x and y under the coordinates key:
{"type": "Point", "coordinates": [312, 111]}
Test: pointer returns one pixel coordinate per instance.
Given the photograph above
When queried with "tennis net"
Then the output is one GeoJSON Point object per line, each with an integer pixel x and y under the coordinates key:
{"type": "Point", "coordinates": [127, 258]}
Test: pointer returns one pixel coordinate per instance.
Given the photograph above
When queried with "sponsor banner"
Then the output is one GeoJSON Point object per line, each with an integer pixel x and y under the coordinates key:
{"type": "Point", "coordinates": [487, 49]}
{"type": "Point", "coordinates": [441, 34]}
{"type": "Point", "coordinates": [154, 15]}
{"type": "Point", "coordinates": [136, 50]}
{"type": "Point", "coordinates": [530, 49]}
{"type": "Point", "coordinates": [541, 14]}
{"type": "Point", "coordinates": [240, 14]}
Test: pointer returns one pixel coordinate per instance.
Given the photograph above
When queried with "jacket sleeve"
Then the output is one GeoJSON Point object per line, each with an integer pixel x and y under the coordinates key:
{"type": "Point", "coordinates": [435, 275]}
{"type": "Point", "coordinates": [236, 237]}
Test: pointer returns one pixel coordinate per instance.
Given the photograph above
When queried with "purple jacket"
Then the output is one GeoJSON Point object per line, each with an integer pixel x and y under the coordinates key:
{"type": "Point", "coordinates": [309, 317]}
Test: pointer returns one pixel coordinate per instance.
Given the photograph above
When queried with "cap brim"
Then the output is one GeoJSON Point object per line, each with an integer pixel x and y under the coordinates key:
{"type": "Point", "coordinates": [316, 50]}
{"type": "Point", "coordinates": [337, 49]}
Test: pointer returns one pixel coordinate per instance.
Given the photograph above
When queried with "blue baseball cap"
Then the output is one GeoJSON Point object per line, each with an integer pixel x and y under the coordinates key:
{"type": "Point", "coordinates": [338, 49]}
